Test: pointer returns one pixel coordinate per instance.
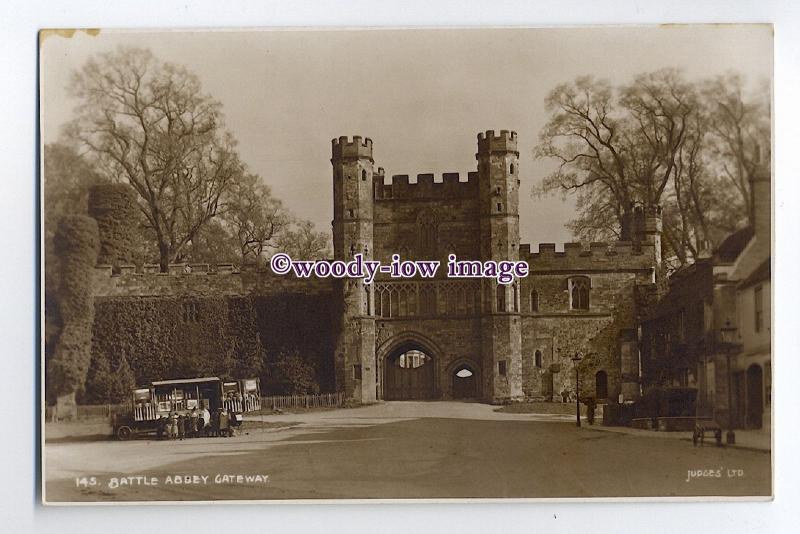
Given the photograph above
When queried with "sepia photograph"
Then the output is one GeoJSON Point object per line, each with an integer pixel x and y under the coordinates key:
{"type": "Point", "coordinates": [406, 264]}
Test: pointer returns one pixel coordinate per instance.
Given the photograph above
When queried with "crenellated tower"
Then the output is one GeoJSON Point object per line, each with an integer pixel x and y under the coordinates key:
{"type": "Point", "coordinates": [498, 197]}
{"type": "Point", "coordinates": [352, 234]}
{"type": "Point", "coordinates": [647, 228]}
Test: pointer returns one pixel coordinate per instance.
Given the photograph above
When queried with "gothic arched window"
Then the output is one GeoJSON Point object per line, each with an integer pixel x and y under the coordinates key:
{"type": "Point", "coordinates": [534, 301]}
{"type": "Point", "coordinates": [427, 235]}
{"type": "Point", "coordinates": [501, 298]}
{"type": "Point", "coordinates": [579, 293]}
{"type": "Point", "coordinates": [516, 297]}
{"type": "Point", "coordinates": [537, 359]}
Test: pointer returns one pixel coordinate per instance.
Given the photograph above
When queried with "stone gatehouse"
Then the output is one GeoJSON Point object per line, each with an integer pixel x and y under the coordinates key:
{"type": "Point", "coordinates": [442, 337]}
{"type": "Point", "coordinates": [446, 338]}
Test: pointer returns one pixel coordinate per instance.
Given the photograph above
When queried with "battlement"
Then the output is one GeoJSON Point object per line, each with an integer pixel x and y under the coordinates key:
{"type": "Point", "coordinates": [449, 185]}
{"type": "Point", "coordinates": [200, 279]}
{"type": "Point", "coordinates": [617, 255]}
{"type": "Point", "coordinates": [174, 269]}
{"type": "Point", "coordinates": [647, 211]}
{"type": "Point", "coordinates": [488, 142]}
{"type": "Point", "coordinates": [344, 148]}
{"type": "Point", "coordinates": [647, 219]}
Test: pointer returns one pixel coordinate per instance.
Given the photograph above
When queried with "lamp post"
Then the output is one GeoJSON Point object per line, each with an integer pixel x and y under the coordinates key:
{"type": "Point", "coordinates": [576, 360]}
{"type": "Point", "coordinates": [729, 345]}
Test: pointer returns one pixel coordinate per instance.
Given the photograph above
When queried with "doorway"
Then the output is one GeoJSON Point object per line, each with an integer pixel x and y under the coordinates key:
{"type": "Point", "coordinates": [755, 396]}
{"type": "Point", "coordinates": [465, 383]}
{"type": "Point", "coordinates": [409, 375]}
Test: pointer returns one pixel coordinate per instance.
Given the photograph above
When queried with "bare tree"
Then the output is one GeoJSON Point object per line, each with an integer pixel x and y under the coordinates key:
{"type": "Point", "coordinates": [623, 147]}
{"type": "Point", "coordinates": [583, 136]}
{"type": "Point", "coordinates": [255, 217]}
{"type": "Point", "coordinates": [741, 131]}
{"type": "Point", "coordinates": [148, 123]}
{"type": "Point", "coordinates": [709, 197]}
{"type": "Point", "coordinates": [660, 106]}
{"type": "Point", "coordinates": [302, 241]}
{"type": "Point", "coordinates": [658, 140]}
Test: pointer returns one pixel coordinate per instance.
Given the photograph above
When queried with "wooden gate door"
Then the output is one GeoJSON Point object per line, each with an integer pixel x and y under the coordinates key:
{"type": "Point", "coordinates": [408, 383]}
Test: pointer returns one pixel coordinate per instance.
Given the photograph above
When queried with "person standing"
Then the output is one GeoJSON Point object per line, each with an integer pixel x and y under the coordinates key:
{"type": "Point", "coordinates": [591, 404]}
{"type": "Point", "coordinates": [181, 427]}
{"type": "Point", "coordinates": [224, 423]}
{"type": "Point", "coordinates": [215, 422]}
{"type": "Point", "coordinates": [160, 426]}
{"type": "Point", "coordinates": [206, 416]}
{"type": "Point", "coordinates": [173, 425]}
{"type": "Point", "coordinates": [193, 422]}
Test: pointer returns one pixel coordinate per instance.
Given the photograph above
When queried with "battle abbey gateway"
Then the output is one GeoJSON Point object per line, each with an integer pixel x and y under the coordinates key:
{"type": "Point", "coordinates": [439, 338]}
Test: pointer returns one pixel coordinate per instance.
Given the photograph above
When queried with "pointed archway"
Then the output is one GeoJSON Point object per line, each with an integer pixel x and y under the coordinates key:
{"type": "Point", "coordinates": [409, 374]}
{"type": "Point", "coordinates": [464, 377]}
{"type": "Point", "coordinates": [465, 384]}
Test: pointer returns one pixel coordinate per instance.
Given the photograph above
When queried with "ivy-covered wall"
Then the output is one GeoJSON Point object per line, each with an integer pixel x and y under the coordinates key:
{"type": "Point", "coordinates": [302, 323]}
{"type": "Point", "coordinates": [114, 208]}
{"type": "Point", "coordinates": [227, 336]}
{"type": "Point", "coordinates": [76, 244]}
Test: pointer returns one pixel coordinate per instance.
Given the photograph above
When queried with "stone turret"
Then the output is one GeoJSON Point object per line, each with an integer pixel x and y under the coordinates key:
{"type": "Point", "coordinates": [353, 178]}
{"type": "Point", "coordinates": [498, 197]}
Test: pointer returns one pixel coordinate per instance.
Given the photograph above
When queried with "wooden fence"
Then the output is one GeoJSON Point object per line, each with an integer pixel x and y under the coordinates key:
{"type": "Point", "coordinates": [106, 411]}
{"type": "Point", "coordinates": [91, 412]}
{"type": "Point", "coordinates": [326, 400]}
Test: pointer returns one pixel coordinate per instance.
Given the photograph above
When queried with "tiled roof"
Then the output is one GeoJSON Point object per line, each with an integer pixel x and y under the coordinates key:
{"type": "Point", "coordinates": [734, 244]}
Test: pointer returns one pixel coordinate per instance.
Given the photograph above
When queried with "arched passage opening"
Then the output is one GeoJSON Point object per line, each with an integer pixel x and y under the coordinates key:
{"type": "Point", "coordinates": [409, 372]}
{"type": "Point", "coordinates": [465, 382]}
{"type": "Point", "coordinates": [601, 385]}
{"type": "Point", "coordinates": [755, 396]}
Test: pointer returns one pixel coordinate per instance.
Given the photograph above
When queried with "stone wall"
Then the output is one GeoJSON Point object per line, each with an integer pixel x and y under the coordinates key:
{"type": "Point", "coordinates": [201, 279]}
{"type": "Point", "coordinates": [143, 319]}
{"type": "Point", "coordinates": [448, 341]}
{"type": "Point", "coordinates": [430, 218]}
{"type": "Point", "coordinates": [621, 255]}
{"type": "Point", "coordinates": [451, 206]}
{"type": "Point", "coordinates": [560, 333]}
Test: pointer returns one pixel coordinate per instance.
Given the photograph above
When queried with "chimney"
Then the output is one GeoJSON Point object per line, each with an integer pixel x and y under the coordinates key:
{"type": "Point", "coordinates": [626, 228]}
{"type": "Point", "coordinates": [761, 196]}
{"type": "Point", "coordinates": [706, 251]}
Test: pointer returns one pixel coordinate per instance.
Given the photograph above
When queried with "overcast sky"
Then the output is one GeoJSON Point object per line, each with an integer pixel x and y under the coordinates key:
{"type": "Point", "coordinates": [421, 95]}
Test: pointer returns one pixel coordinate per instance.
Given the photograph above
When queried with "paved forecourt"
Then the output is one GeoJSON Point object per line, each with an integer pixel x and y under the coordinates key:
{"type": "Point", "coordinates": [405, 450]}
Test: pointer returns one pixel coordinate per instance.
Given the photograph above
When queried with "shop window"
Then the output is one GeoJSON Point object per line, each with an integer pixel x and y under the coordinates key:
{"type": "Point", "coordinates": [758, 295]}
{"type": "Point", "coordinates": [767, 384]}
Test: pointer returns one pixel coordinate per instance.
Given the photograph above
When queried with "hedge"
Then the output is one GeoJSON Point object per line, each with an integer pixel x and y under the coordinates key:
{"type": "Point", "coordinates": [76, 244]}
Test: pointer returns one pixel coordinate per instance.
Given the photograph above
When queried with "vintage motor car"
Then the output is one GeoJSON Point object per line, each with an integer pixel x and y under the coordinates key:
{"type": "Point", "coordinates": [161, 398]}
